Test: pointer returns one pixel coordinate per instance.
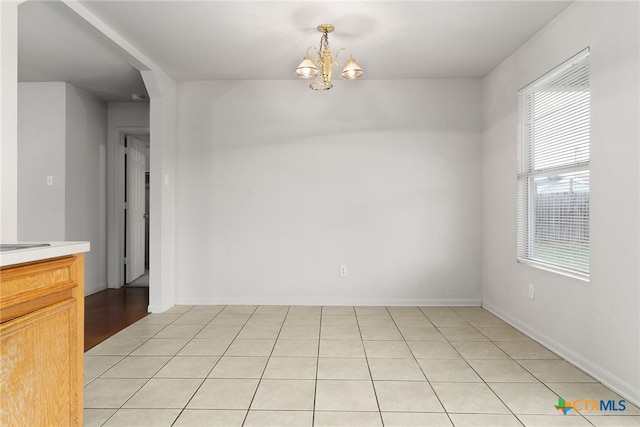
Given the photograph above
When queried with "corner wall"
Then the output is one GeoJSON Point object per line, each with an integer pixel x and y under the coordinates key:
{"type": "Point", "coordinates": [594, 325]}
{"type": "Point", "coordinates": [163, 280]}
{"type": "Point", "coordinates": [278, 185]}
{"type": "Point", "coordinates": [85, 192]}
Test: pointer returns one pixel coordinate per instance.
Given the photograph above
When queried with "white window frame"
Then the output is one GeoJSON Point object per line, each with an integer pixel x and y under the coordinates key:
{"type": "Point", "coordinates": [571, 257]}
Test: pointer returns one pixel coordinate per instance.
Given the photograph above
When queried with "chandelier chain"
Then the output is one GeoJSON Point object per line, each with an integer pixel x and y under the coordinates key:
{"type": "Point", "coordinates": [324, 41]}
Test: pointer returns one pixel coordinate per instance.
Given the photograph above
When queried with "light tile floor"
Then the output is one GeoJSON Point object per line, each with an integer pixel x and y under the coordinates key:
{"type": "Point", "coordinates": [334, 366]}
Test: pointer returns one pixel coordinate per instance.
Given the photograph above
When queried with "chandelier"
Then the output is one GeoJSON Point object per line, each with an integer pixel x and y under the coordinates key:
{"type": "Point", "coordinates": [320, 68]}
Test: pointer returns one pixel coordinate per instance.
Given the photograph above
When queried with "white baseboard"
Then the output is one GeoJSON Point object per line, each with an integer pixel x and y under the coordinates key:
{"type": "Point", "coordinates": [94, 289]}
{"type": "Point", "coordinates": [472, 302]}
{"type": "Point", "coordinates": [618, 385]}
{"type": "Point", "coordinates": [159, 308]}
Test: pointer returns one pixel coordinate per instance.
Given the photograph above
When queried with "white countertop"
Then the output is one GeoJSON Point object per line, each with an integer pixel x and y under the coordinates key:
{"type": "Point", "coordinates": [53, 250]}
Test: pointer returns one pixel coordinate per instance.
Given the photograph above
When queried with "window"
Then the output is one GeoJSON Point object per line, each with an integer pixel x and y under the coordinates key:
{"type": "Point", "coordinates": [553, 169]}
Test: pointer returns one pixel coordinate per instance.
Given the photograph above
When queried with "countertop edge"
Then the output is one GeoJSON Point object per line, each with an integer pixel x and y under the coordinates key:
{"type": "Point", "coordinates": [54, 250]}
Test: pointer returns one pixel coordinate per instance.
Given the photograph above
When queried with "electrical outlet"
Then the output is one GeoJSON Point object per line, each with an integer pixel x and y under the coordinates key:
{"type": "Point", "coordinates": [532, 291]}
{"type": "Point", "coordinates": [343, 271]}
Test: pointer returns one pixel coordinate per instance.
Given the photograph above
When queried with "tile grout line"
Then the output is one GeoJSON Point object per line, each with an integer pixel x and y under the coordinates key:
{"type": "Point", "coordinates": [130, 354]}
{"type": "Point", "coordinates": [477, 373]}
{"type": "Point", "coordinates": [366, 357]}
{"type": "Point", "coordinates": [544, 383]}
{"type": "Point", "coordinates": [517, 361]}
{"type": "Point", "coordinates": [208, 373]}
{"type": "Point", "coordinates": [315, 384]}
{"type": "Point", "coordinates": [421, 369]}
{"type": "Point", "coordinates": [255, 392]}
{"type": "Point", "coordinates": [170, 358]}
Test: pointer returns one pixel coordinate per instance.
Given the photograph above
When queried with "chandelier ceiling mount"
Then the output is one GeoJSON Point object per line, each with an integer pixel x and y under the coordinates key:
{"type": "Point", "coordinates": [326, 28]}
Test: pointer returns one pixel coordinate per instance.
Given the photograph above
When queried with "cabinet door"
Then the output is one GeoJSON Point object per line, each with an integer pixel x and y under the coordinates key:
{"type": "Point", "coordinates": [39, 368]}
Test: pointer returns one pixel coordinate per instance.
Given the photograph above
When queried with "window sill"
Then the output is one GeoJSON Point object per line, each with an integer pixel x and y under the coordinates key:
{"type": "Point", "coordinates": [554, 269]}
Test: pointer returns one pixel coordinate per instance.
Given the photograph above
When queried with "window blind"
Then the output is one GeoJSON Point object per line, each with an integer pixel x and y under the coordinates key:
{"type": "Point", "coordinates": [553, 169]}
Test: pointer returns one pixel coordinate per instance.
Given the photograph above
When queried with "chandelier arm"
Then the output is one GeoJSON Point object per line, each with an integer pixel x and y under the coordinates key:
{"type": "Point", "coordinates": [343, 49]}
{"type": "Point", "coordinates": [317, 55]}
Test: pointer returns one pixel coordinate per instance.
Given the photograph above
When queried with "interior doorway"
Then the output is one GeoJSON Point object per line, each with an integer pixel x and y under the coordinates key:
{"type": "Point", "coordinates": [136, 211]}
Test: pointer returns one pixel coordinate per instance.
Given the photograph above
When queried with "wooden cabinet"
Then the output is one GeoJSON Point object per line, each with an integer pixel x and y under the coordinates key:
{"type": "Point", "coordinates": [41, 342]}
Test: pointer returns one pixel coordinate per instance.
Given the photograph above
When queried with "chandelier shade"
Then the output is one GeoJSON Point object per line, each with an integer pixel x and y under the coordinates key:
{"type": "Point", "coordinates": [320, 69]}
{"type": "Point", "coordinates": [351, 71]}
{"type": "Point", "coordinates": [307, 69]}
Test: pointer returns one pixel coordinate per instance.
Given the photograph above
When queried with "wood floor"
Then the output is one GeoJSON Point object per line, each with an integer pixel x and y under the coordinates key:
{"type": "Point", "coordinates": [109, 311]}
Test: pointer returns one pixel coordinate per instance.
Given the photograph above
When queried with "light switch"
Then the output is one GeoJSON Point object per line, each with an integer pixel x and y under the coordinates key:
{"type": "Point", "coordinates": [49, 181]}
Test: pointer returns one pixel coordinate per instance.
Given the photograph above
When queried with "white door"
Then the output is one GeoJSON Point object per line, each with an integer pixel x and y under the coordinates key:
{"type": "Point", "coordinates": [136, 169]}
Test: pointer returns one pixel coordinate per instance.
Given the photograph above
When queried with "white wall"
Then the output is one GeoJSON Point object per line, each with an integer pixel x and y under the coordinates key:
{"type": "Point", "coordinates": [85, 196]}
{"type": "Point", "coordinates": [163, 199]}
{"type": "Point", "coordinates": [594, 325]}
{"type": "Point", "coordinates": [278, 185]}
{"type": "Point", "coordinates": [129, 115]}
{"type": "Point", "coordinates": [8, 121]}
{"type": "Point", "coordinates": [63, 133]}
{"type": "Point", "coordinates": [41, 153]}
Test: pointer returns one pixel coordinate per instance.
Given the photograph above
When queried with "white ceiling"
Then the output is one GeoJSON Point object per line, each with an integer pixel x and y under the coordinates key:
{"type": "Point", "coordinates": [214, 40]}
{"type": "Point", "coordinates": [56, 45]}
